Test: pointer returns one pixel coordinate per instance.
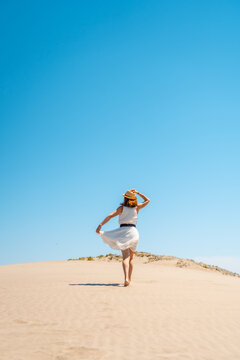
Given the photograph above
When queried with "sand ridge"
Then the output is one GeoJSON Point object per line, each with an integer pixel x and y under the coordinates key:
{"type": "Point", "coordinates": [146, 258]}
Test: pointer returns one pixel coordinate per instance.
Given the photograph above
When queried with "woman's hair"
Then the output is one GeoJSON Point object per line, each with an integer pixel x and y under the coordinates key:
{"type": "Point", "coordinates": [129, 202]}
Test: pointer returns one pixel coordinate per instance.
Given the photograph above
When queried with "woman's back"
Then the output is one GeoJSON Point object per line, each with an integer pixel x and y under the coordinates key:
{"type": "Point", "coordinates": [128, 215]}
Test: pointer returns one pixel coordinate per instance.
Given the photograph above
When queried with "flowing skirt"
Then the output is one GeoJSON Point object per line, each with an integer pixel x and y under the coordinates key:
{"type": "Point", "coordinates": [122, 238]}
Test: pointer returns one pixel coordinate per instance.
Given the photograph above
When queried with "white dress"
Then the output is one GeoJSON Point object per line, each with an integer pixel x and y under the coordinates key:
{"type": "Point", "coordinates": [124, 237]}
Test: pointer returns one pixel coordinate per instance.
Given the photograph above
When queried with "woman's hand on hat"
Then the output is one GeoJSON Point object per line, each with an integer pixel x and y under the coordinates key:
{"type": "Point", "coordinates": [134, 191]}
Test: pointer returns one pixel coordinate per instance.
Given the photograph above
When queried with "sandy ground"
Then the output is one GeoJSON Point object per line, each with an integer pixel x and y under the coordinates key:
{"type": "Point", "coordinates": [79, 310]}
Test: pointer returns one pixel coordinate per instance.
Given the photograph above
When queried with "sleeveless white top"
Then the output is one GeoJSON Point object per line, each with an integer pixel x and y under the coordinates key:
{"type": "Point", "coordinates": [128, 215]}
{"type": "Point", "coordinates": [125, 237]}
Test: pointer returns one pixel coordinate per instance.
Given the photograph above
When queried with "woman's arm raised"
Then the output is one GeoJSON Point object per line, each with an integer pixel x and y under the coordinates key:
{"type": "Point", "coordinates": [109, 217]}
{"type": "Point", "coordinates": [146, 199]}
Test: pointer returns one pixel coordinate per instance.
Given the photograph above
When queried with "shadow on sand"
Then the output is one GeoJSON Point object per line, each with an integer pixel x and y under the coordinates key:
{"type": "Point", "coordinates": [93, 284]}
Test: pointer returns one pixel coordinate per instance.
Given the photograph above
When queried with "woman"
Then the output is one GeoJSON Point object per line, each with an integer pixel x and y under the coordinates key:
{"type": "Point", "coordinates": [126, 237]}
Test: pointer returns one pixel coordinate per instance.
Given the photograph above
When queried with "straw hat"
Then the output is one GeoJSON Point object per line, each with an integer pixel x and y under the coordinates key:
{"type": "Point", "coordinates": [130, 195]}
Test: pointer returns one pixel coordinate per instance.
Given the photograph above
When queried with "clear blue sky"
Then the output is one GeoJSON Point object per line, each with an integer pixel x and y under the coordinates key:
{"type": "Point", "coordinates": [100, 96]}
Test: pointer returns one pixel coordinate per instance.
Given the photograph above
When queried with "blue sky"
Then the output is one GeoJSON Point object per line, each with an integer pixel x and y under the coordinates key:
{"type": "Point", "coordinates": [98, 97]}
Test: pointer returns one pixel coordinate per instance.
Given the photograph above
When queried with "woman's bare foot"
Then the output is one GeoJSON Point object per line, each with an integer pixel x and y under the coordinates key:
{"type": "Point", "coordinates": [126, 283]}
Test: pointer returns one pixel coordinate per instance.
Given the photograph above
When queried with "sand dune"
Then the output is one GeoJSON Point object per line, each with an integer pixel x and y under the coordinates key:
{"type": "Point", "coordinates": [79, 310]}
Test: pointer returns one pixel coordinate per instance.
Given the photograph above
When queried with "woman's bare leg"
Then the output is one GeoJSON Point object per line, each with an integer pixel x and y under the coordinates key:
{"type": "Point", "coordinates": [130, 264]}
{"type": "Point", "coordinates": [125, 264]}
